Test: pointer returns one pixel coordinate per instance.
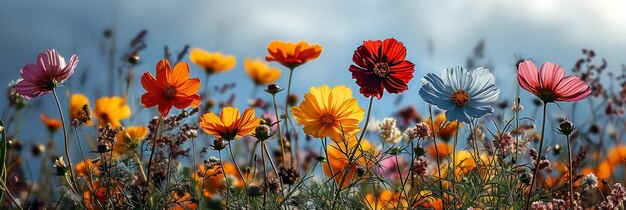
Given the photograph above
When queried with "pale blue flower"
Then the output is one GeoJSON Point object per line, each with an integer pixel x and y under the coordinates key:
{"type": "Point", "coordinates": [463, 94]}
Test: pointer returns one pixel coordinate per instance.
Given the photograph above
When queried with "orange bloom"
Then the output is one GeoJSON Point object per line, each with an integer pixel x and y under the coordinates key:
{"type": "Point", "coordinates": [211, 180]}
{"type": "Point", "coordinates": [443, 128]}
{"type": "Point", "coordinates": [230, 125]}
{"type": "Point", "coordinates": [290, 54]}
{"type": "Point", "coordinates": [260, 72]}
{"type": "Point", "coordinates": [385, 200]}
{"type": "Point", "coordinates": [616, 155]}
{"type": "Point", "coordinates": [128, 140]}
{"type": "Point", "coordinates": [338, 157]}
{"type": "Point", "coordinates": [51, 123]}
{"type": "Point", "coordinates": [183, 201]}
{"type": "Point", "coordinates": [87, 167]}
{"type": "Point", "coordinates": [444, 150]}
{"type": "Point", "coordinates": [171, 87]}
{"type": "Point", "coordinates": [77, 101]}
{"type": "Point", "coordinates": [111, 110]}
{"type": "Point", "coordinates": [212, 62]}
{"type": "Point", "coordinates": [100, 197]}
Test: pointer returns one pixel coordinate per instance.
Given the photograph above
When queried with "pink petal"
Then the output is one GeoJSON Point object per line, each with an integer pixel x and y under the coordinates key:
{"type": "Point", "coordinates": [29, 90]}
{"type": "Point", "coordinates": [50, 62]}
{"type": "Point", "coordinates": [550, 75]}
{"type": "Point", "coordinates": [32, 73]}
{"type": "Point", "coordinates": [572, 88]}
{"type": "Point", "coordinates": [527, 76]}
{"type": "Point", "coordinates": [68, 70]}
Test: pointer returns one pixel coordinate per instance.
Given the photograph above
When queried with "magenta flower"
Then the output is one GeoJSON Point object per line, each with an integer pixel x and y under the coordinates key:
{"type": "Point", "coordinates": [550, 84]}
{"type": "Point", "coordinates": [49, 72]}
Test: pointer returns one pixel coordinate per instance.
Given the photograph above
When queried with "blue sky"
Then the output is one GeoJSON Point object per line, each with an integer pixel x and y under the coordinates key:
{"type": "Point", "coordinates": [538, 29]}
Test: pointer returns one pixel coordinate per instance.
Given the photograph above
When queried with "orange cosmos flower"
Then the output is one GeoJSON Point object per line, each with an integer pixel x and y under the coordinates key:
{"type": "Point", "coordinates": [87, 167]}
{"type": "Point", "coordinates": [260, 72]}
{"type": "Point", "coordinates": [183, 201]}
{"type": "Point", "coordinates": [212, 62]}
{"type": "Point", "coordinates": [385, 200]}
{"type": "Point", "coordinates": [230, 125]}
{"type": "Point", "coordinates": [444, 129]}
{"type": "Point", "coordinates": [444, 149]}
{"type": "Point", "coordinates": [211, 179]}
{"type": "Point", "coordinates": [128, 140]}
{"type": "Point", "coordinates": [51, 123]}
{"type": "Point", "coordinates": [171, 87]}
{"type": "Point", "coordinates": [290, 54]}
{"type": "Point", "coordinates": [111, 110]}
{"type": "Point", "coordinates": [338, 156]}
{"type": "Point", "coordinates": [77, 101]}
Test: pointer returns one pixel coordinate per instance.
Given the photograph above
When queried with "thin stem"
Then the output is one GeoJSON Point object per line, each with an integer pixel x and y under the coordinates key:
{"type": "Point", "coordinates": [67, 145]}
{"type": "Point", "coordinates": [571, 172]}
{"type": "Point", "coordinates": [434, 135]}
{"type": "Point", "coordinates": [219, 153]}
{"type": "Point", "coordinates": [330, 168]}
{"type": "Point", "coordinates": [143, 173]}
{"type": "Point", "coordinates": [264, 173]}
{"type": "Point", "coordinates": [273, 167]}
{"type": "Point", "coordinates": [232, 156]}
{"type": "Point", "coordinates": [154, 147]}
{"type": "Point", "coordinates": [193, 147]}
{"type": "Point", "coordinates": [536, 168]}
{"type": "Point", "coordinates": [280, 133]}
{"type": "Point", "coordinates": [287, 113]}
{"type": "Point", "coordinates": [6, 189]}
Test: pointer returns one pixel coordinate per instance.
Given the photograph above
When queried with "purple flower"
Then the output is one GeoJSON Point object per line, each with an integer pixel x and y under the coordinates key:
{"type": "Point", "coordinates": [49, 72]}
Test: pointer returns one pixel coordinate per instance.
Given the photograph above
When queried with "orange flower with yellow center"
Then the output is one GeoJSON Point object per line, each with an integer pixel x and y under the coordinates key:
{"type": "Point", "coordinates": [327, 112]}
{"type": "Point", "coordinates": [212, 62]}
{"type": "Point", "coordinates": [211, 179]}
{"type": "Point", "coordinates": [230, 125]}
{"type": "Point", "coordinates": [385, 200]}
{"type": "Point", "coordinates": [51, 123]}
{"type": "Point", "coordinates": [171, 87]}
{"type": "Point", "coordinates": [290, 54]}
{"type": "Point", "coordinates": [111, 110]}
{"type": "Point", "coordinates": [443, 128]}
{"type": "Point", "coordinates": [77, 101]}
{"type": "Point", "coordinates": [128, 140]}
{"type": "Point", "coordinates": [260, 72]}
{"type": "Point", "coordinates": [338, 155]}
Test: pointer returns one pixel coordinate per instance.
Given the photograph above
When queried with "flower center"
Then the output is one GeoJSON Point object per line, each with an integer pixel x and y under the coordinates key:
{"type": "Point", "coordinates": [459, 97]}
{"type": "Point", "coordinates": [170, 91]}
{"type": "Point", "coordinates": [327, 119]}
{"type": "Point", "coordinates": [381, 69]}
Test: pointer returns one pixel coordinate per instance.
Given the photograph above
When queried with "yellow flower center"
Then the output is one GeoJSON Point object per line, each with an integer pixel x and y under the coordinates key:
{"type": "Point", "coordinates": [170, 91]}
{"type": "Point", "coordinates": [381, 69]}
{"type": "Point", "coordinates": [460, 98]}
{"type": "Point", "coordinates": [327, 119]}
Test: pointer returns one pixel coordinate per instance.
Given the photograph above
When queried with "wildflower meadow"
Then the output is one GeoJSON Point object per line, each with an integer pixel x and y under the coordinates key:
{"type": "Point", "coordinates": [173, 132]}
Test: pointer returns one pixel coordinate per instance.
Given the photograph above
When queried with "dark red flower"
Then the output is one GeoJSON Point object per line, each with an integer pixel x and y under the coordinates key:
{"type": "Point", "coordinates": [380, 65]}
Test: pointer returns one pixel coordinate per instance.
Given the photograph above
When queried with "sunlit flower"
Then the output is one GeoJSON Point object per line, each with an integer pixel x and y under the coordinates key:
{"type": "Point", "coordinates": [327, 112]}
{"type": "Point", "coordinates": [338, 155]}
{"type": "Point", "coordinates": [182, 201]}
{"type": "Point", "coordinates": [171, 87]}
{"type": "Point", "coordinates": [111, 110]}
{"type": "Point", "coordinates": [260, 72]}
{"type": "Point", "coordinates": [381, 65]}
{"type": "Point", "coordinates": [77, 101]}
{"type": "Point", "coordinates": [463, 94]}
{"type": "Point", "coordinates": [389, 132]}
{"type": "Point", "coordinates": [87, 167]}
{"type": "Point", "coordinates": [49, 72]}
{"type": "Point", "coordinates": [129, 139]}
{"type": "Point", "coordinates": [443, 150]}
{"type": "Point", "coordinates": [290, 54]}
{"type": "Point", "coordinates": [51, 123]}
{"type": "Point", "coordinates": [230, 125]}
{"type": "Point", "coordinates": [212, 62]}
{"type": "Point", "coordinates": [385, 200]}
{"type": "Point", "coordinates": [211, 179]}
{"type": "Point", "coordinates": [550, 83]}
{"type": "Point", "coordinates": [443, 129]}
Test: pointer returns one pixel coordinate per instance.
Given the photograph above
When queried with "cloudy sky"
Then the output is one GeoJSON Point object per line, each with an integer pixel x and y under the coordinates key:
{"type": "Point", "coordinates": [544, 30]}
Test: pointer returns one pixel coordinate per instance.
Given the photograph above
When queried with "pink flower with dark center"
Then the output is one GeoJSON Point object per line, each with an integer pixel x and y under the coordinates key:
{"type": "Point", "coordinates": [49, 72]}
{"type": "Point", "coordinates": [550, 83]}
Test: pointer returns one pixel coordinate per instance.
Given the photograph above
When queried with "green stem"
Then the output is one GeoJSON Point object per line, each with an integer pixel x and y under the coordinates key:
{"type": "Point", "coordinates": [6, 189]}
{"type": "Point", "coordinates": [232, 156]}
{"type": "Point", "coordinates": [67, 145]}
{"type": "Point", "coordinates": [287, 114]}
{"type": "Point", "coordinates": [330, 168]}
{"type": "Point", "coordinates": [571, 171]}
{"type": "Point", "coordinates": [219, 153]}
{"type": "Point", "coordinates": [264, 174]}
{"type": "Point", "coordinates": [536, 168]}
{"type": "Point", "coordinates": [280, 133]}
{"type": "Point", "coordinates": [143, 173]}
{"type": "Point", "coordinates": [434, 135]}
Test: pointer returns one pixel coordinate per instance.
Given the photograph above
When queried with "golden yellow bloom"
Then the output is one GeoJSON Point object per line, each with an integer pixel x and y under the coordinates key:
{"type": "Point", "coordinates": [338, 155]}
{"type": "Point", "coordinates": [212, 62]}
{"type": "Point", "coordinates": [111, 110]}
{"type": "Point", "coordinates": [77, 101]}
{"type": "Point", "coordinates": [230, 125]}
{"type": "Point", "coordinates": [326, 112]}
{"type": "Point", "coordinates": [51, 123]}
{"type": "Point", "coordinates": [443, 128]}
{"type": "Point", "coordinates": [129, 139]}
{"type": "Point", "coordinates": [291, 54]}
{"type": "Point", "coordinates": [260, 72]}
{"type": "Point", "coordinates": [385, 200]}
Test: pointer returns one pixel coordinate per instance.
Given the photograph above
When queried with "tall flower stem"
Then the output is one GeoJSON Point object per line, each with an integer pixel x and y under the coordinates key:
{"type": "Point", "coordinates": [193, 147]}
{"type": "Point", "coordinates": [67, 145]}
{"type": "Point", "coordinates": [232, 156]}
{"type": "Point", "coordinates": [536, 168]}
{"type": "Point", "coordinates": [330, 168]}
{"type": "Point", "coordinates": [154, 147]}
{"type": "Point", "coordinates": [280, 133]}
{"type": "Point", "coordinates": [6, 189]}
{"type": "Point", "coordinates": [571, 171]}
{"type": "Point", "coordinates": [143, 173]}
{"type": "Point", "coordinates": [219, 153]}
{"type": "Point", "coordinates": [434, 135]}
{"type": "Point", "coordinates": [264, 173]}
{"type": "Point", "coordinates": [289, 118]}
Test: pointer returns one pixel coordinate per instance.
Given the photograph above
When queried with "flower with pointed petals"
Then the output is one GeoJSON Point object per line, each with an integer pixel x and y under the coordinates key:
{"type": "Point", "coordinates": [212, 62]}
{"type": "Point", "coordinates": [381, 65]}
{"type": "Point", "coordinates": [260, 72]}
{"type": "Point", "coordinates": [77, 102]}
{"type": "Point", "coordinates": [111, 110]}
{"type": "Point", "coordinates": [49, 72]}
{"type": "Point", "coordinates": [171, 87]}
{"type": "Point", "coordinates": [230, 125]}
{"type": "Point", "coordinates": [550, 83]}
{"type": "Point", "coordinates": [290, 54]}
{"type": "Point", "coordinates": [463, 94]}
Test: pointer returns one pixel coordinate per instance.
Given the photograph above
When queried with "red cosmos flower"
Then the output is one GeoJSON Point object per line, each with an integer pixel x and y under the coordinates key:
{"type": "Point", "coordinates": [381, 65]}
{"type": "Point", "coordinates": [550, 83]}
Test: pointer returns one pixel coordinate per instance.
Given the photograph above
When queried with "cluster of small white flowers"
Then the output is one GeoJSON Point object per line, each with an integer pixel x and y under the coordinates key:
{"type": "Point", "coordinates": [389, 132]}
{"type": "Point", "coordinates": [193, 133]}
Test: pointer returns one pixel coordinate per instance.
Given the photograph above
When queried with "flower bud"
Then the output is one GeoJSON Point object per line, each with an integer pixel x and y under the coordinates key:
{"type": "Point", "coordinates": [273, 89]}
{"type": "Point", "coordinates": [566, 127]}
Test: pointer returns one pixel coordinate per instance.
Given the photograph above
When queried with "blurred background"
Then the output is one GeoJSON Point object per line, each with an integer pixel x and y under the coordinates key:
{"type": "Point", "coordinates": [437, 34]}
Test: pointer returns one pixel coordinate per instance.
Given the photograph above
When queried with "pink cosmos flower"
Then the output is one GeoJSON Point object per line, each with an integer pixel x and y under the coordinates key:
{"type": "Point", "coordinates": [49, 72]}
{"type": "Point", "coordinates": [550, 84]}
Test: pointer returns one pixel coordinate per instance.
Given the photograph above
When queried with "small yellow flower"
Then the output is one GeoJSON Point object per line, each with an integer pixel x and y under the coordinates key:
{"type": "Point", "coordinates": [230, 125]}
{"type": "Point", "coordinates": [77, 101]}
{"type": "Point", "coordinates": [111, 110]}
{"type": "Point", "coordinates": [260, 72]}
{"type": "Point", "coordinates": [212, 62]}
{"type": "Point", "coordinates": [129, 139]}
{"type": "Point", "coordinates": [327, 112]}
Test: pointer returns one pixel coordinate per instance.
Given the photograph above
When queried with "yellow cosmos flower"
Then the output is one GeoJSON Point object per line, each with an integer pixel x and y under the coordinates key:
{"type": "Point", "coordinates": [77, 101]}
{"type": "Point", "coordinates": [111, 110]}
{"type": "Point", "coordinates": [327, 112]}
{"type": "Point", "coordinates": [443, 128]}
{"type": "Point", "coordinates": [212, 62]}
{"type": "Point", "coordinates": [128, 140]}
{"type": "Point", "coordinates": [260, 72]}
{"type": "Point", "coordinates": [230, 125]}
